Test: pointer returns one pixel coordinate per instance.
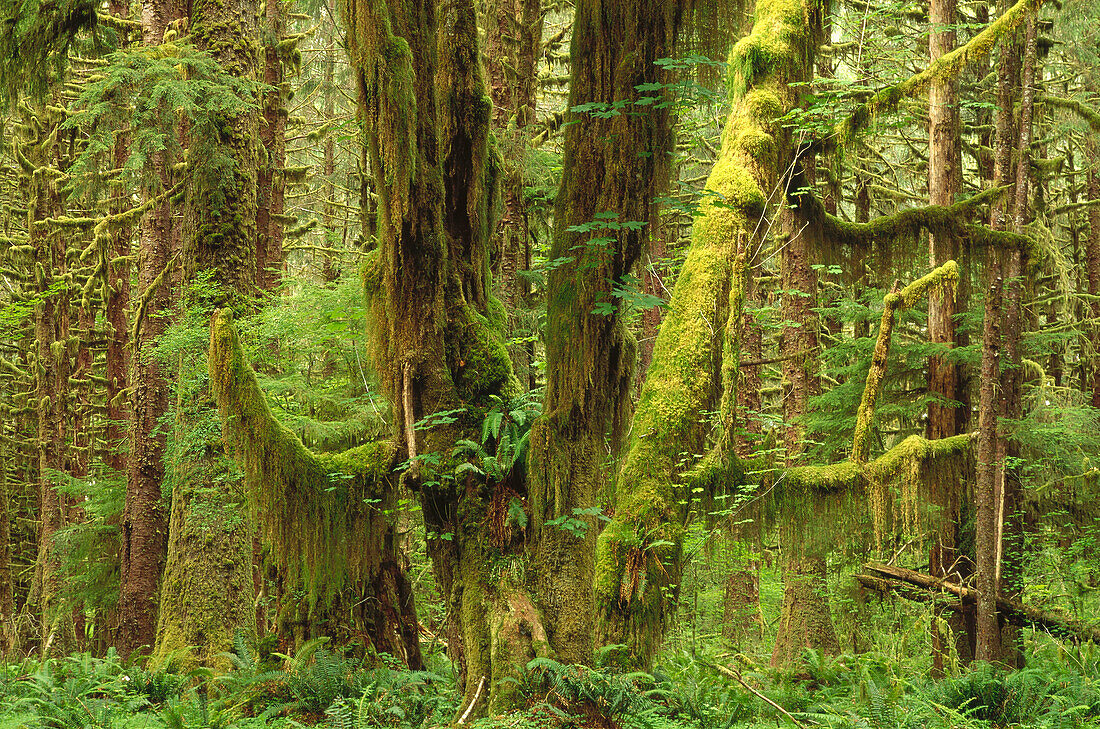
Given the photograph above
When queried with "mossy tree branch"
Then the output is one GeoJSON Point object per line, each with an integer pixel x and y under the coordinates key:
{"type": "Point", "coordinates": [325, 515]}
{"type": "Point", "coordinates": [887, 100]}
{"type": "Point", "coordinates": [946, 276]}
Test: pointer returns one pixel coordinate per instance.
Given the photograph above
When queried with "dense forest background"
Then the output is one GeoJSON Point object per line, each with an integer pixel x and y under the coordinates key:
{"type": "Point", "coordinates": [666, 363]}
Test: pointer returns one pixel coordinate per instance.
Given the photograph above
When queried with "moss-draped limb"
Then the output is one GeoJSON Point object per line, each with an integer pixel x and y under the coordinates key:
{"type": "Point", "coordinates": [946, 276]}
{"type": "Point", "coordinates": [1086, 112]}
{"type": "Point", "coordinates": [694, 368]}
{"type": "Point", "coordinates": [324, 515]}
{"type": "Point", "coordinates": [811, 504]}
{"type": "Point", "coordinates": [977, 48]}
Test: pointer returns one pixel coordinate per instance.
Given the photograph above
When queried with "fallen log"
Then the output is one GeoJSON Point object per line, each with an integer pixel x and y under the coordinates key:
{"type": "Point", "coordinates": [889, 577]}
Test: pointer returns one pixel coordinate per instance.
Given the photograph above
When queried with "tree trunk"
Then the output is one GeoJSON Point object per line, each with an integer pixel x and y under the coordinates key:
{"type": "Point", "coordinates": [1010, 543]}
{"type": "Point", "coordinates": [8, 636]}
{"type": "Point", "coordinates": [805, 622]}
{"type": "Point", "coordinates": [513, 40]}
{"type": "Point", "coordinates": [944, 378]}
{"type": "Point", "coordinates": [207, 594]}
{"type": "Point", "coordinates": [988, 490]}
{"type": "Point", "coordinates": [330, 266]}
{"type": "Point", "coordinates": [741, 619]}
{"type": "Point", "coordinates": [435, 328]}
{"type": "Point", "coordinates": [613, 169]}
{"type": "Point", "coordinates": [144, 532]}
{"type": "Point", "coordinates": [1092, 264]}
{"type": "Point", "coordinates": [52, 370]}
{"type": "Point", "coordinates": [270, 183]}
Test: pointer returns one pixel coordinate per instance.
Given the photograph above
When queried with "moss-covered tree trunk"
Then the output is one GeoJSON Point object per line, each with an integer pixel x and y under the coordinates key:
{"type": "Point", "coordinates": [207, 592]}
{"type": "Point", "coordinates": [434, 327]}
{"type": "Point", "coordinates": [695, 358]}
{"type": "Point", "coordinates": [803, 624]}
{"type": "Point", "coordinates": [52, 368]}
{"type": "Point", "coordinates": [7, 584]}
{"type": "Point", "coordinates": [513, 39]}
{"type": "Point", "coordinates": [144, 529]}
{"type": "Point", "coordinates": [615, 165]}
{"type": "Point", "coordinates": [270, 257]}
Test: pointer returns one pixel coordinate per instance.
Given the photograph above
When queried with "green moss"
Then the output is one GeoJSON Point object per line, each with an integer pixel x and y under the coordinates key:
{"type": "Point", "coordinates": [477, 358]}
{"type": "Point", "coordinates": [949, 64]}
{"type": "Point", "coordinates": [323, 515]}
{"type": "Point", "coordinates": [206, 592]}
{"type": "Point", "coordinates": [944, 277]}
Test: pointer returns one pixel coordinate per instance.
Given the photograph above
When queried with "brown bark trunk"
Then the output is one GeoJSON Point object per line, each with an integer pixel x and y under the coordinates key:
{"type": "Point", "coordinates": [805, 622]}
{"type": "Point", "coordinates": [750, 399]}
{"type": "Point", "coordinates": [1092, 265]}
{"type": "Point", "coordinates": [806, 619]}
{"type": "Point", "coordinates": [51, 332]}
{"type": "Point", "coordinates": [988, 489]}
{"type": "Point", "coordinates": [944, 378]}
{"type": "Point", "coordinates": [1010, 543]}
{"type": "Point", "coordinates": [741, 620]}
{"type": "Point", "coordinates": [270, 257]}
{"type": "Point", "coordinates": [144, 533]}
{"type": "Point", "coordinates": [988, 645]}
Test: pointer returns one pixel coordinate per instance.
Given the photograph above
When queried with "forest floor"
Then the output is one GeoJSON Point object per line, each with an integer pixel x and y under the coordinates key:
{"type": "Point", "coordinates": [1060, 688]}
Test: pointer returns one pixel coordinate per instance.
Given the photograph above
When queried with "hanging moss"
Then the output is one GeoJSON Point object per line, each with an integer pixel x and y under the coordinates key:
{"type": "Point", "coordinates": [323, 514]}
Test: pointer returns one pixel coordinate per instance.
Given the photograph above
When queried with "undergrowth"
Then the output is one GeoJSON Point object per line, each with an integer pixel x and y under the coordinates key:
{"type": "Point", "coordinates": [318, 686]}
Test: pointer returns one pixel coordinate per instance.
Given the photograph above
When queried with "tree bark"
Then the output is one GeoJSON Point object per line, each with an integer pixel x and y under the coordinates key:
{"type": "Point", "coordinates": [613, 169]}
{"type": "Point", "coordinates": [207, 592]}
{"type": "Point", "coordinates": [513, 40]}
{"type": "Point", "coordinates": [805, 622]}
{"type": "Point", "coordinates": [270, 183]}
{"type": "Point", "coordinates": [1092, 264]}
{"type": "Point", "coordinates": [144, 530]}
{"type": "Point", "coordinates": [944, 378]}
{"type": "Point", "coordinates": [988, 490]}
{"type": "Point", "coordinates": [1010, 542]}
{"type": "Point", "coordinates": [52, 392]}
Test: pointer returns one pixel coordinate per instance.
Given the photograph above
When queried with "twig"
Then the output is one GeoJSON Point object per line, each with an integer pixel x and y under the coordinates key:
{"type": "Point", "coordinates": [473, 702]}
{"type": "Point", "coordinates": [737, 677]}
